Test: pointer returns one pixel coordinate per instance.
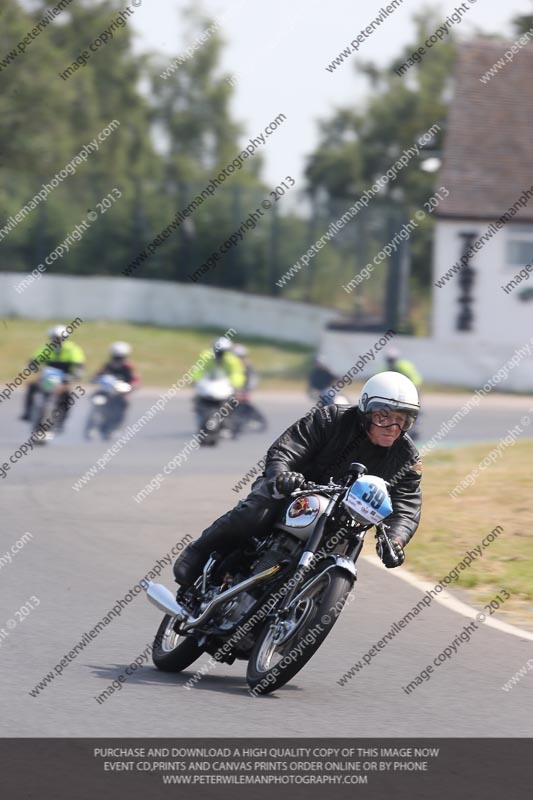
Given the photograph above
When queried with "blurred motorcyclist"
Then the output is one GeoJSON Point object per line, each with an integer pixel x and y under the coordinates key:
{"type": "Point", "coordinates": [320, 378]}
{"type": "Point", "coordinates": [396, 364]}
{"type": "Point", "coordinates": [225, 360]}
{"type": "Point", "coordinates": [321, 445]}
{"type": "Point", "coordinates": [321, 385]}
{"type": "Point", "coordinates": [251, 375]}
{"type": "Point", "coordinates": [120, 366]}
{"type": "Point", "coordinates": [246, 412]}
{"type": "Point", "coordinates": [219, 358]}
{"type": "Point", "coordinates": [63, 354]}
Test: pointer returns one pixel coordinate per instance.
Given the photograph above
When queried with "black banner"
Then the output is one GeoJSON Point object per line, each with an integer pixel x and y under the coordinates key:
{"type": "Point", "coordinates": [53, 769]}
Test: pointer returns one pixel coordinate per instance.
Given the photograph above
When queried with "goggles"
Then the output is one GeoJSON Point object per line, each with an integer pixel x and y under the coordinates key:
{"type": "Point", "coordinates": [386, 417]}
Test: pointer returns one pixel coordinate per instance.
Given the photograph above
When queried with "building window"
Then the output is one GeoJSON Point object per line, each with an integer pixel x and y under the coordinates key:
{"type": "Point", "coordinates": [519, 247]}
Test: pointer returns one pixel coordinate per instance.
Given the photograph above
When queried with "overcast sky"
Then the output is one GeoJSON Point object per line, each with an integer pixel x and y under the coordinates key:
{"type": "Point", "coordinates": [278, 51]}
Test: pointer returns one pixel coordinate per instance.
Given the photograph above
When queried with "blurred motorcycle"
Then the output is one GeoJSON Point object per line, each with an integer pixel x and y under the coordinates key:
{"type": "Point", "coordinates": [246, 416]}
{"type": "Point", "coordinates": [214, 405]}
{"type": "Point", "coordinates": [108, 406]}
{"type": "Point", "coordinates": [48, 408]}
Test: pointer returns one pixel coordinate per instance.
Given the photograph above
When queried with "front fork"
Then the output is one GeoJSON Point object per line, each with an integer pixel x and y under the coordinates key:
{"type": "Point", "coordinates": [307, 558]}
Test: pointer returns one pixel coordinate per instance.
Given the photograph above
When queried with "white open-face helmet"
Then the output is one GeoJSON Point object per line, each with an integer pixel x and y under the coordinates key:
{"type": "Point", "coordinates": [390, 391]}
{"type": "Point", "coordinates": [222, 345]}
{"type": "Point", "coordinates": [120, 349]}
{"type": "Point", "coordinates": [57, 332]}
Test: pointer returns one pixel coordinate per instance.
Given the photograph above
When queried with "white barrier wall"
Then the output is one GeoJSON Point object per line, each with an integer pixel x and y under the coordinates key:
{"type": "Point", "coordinates": [451, 359]}
{"type": "Point", "coordinates": [162, 303]}
{"type": "Point", "coordinates": [470, 365]}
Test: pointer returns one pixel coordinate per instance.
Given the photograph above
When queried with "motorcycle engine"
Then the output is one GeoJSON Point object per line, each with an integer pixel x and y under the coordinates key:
{"type": "Point", "coordinates": [232, 611]}
{"type": "Point", "coordinates": [276, 548]}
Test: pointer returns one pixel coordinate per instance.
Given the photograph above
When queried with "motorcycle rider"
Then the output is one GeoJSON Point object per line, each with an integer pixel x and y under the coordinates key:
{"type": "Point", "coordinates": [119, 364]}
{"type": "Point", "coordinates": [396, 364]}
{"type": "Point", "coordinates": [121, 368]}
{"type": "Point", "coordinates": [251, 376]}
{"type": "Point", "coordinates": [62, 354]}
{"type": "Point", "coordinates": [224, 359]}
{"type": "Point", "coordinates": [246, 410]}
{"type": "Point", "coordinates": [321, 380]}
{"type": "Point", "coordinates": [321, 445]}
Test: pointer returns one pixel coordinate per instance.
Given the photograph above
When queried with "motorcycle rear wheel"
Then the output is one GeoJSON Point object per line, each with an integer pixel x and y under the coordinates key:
{"type": "Point", "coordinates": [172, 652]}
{"type": "Point", "coordinates": [275, 658]}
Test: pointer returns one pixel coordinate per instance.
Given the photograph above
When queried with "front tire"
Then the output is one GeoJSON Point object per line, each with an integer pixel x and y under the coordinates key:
{"type": "Point", "coordinates": [42, 407]}
{"type": "Point", "coordinates": [275, 658]}
{"type": "Point", "coordinates": [172, 652]}
{"type": "Point", "coordinates": [93, 423]}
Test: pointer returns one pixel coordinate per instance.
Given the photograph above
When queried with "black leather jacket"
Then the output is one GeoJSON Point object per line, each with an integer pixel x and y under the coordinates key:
{"type": "Point", "coordinates": [324, 443]}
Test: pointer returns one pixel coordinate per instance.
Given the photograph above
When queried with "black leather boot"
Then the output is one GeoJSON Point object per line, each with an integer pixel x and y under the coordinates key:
{"type": "Point", "coordinates": [189, 565]}
{"type": "Point", "coordinates": [229, 532]}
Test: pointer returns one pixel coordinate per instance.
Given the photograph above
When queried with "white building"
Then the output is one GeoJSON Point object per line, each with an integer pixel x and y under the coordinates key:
{"type": "Point", "coordinates": [483, 311]}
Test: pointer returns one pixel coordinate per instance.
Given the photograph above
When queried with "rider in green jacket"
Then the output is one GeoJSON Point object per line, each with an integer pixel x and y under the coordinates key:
{"type": "Point", "coordinates": [220, 356]}
{"type": "Point", "coordinates": [61, 354]}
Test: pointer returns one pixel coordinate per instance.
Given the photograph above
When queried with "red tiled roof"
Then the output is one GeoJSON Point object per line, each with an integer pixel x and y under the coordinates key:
{"type": "Point", "coordinates": [488, 148]}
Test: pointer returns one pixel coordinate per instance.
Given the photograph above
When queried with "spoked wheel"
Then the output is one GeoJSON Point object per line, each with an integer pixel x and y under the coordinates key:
{"type": "Point", "coordinates": [42, 407]}
{"type": "Point", "coordinates": [284, 647]}
{"type": "Point", "coordinates": [172, 652]}
{"type": "Point", "coordinates": [112, 418]}
{"type": "Point", "coordinates": [211, 431]}
{"type": "Point", "coordinates": [93, 423]}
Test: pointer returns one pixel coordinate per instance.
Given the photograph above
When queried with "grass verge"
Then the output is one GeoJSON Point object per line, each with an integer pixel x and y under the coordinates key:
{"type": "Point", "coordinates": [161, 355]}
{"type": "Point", "coordinates": [451, 526]}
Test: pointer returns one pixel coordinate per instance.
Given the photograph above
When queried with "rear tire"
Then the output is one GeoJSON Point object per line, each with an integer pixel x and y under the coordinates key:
{"type": "Point", "coordinates": [171, 652]}
{"type": "Point", "coordinates": [318, 614]}
{"type": "Point", "coordinates": [256, 421]}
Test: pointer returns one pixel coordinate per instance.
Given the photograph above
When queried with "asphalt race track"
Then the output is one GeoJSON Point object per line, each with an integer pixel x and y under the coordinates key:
{"type": "Point", "coordinates": [91, 546]}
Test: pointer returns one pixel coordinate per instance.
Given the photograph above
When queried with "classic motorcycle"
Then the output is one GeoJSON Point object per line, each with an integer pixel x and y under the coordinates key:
{"type": "Point", "coordinates": [108, 406]}
{"type": "Point", "coordinates": [48, 410]}
{"type": "Point", "coordinates": [247, 417]}
{"type": "Point", "coordinates": [274, 602]}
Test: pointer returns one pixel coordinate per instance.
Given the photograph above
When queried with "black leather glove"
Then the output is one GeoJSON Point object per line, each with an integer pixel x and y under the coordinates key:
{"type": "Point", "coordinates": [384, 553]}
{"type": "Point", "coordinates": [285, 483]}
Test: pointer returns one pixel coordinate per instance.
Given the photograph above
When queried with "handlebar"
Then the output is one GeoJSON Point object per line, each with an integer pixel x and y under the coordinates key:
{"type": "Point", "coordinates": [383, 540]}
{"type": "Point", "coordinates": [309, 487]}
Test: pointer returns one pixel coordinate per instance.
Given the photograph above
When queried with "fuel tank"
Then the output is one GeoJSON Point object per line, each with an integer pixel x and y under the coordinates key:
{"type": "Point", "coordinates": [302, 515]}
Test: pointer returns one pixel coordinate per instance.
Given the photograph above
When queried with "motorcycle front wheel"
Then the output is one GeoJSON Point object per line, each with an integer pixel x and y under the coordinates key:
{"type": "Point", "coordinates": [42, 407]}
{"type": "Point", "coordinates": [94, 422]}
{"type": "Point", "coordinates": [281, 650]}
{"type": "Point", "coordinates": [172, 652]}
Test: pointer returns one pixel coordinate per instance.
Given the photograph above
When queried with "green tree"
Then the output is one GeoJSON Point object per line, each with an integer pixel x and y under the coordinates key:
{"type": "Point", "coordinates": [358, 145]}
{"type": "Point", "coordinates": [191, 109]}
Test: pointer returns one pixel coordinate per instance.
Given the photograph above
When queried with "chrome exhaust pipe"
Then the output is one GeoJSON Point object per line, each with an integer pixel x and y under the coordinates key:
{"type": "Point", "coordinates": [208, 611]}
{"type": "Point", "coordinates": [161, 597]}
{"type": "Point", "coordinates": [164, 600]}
